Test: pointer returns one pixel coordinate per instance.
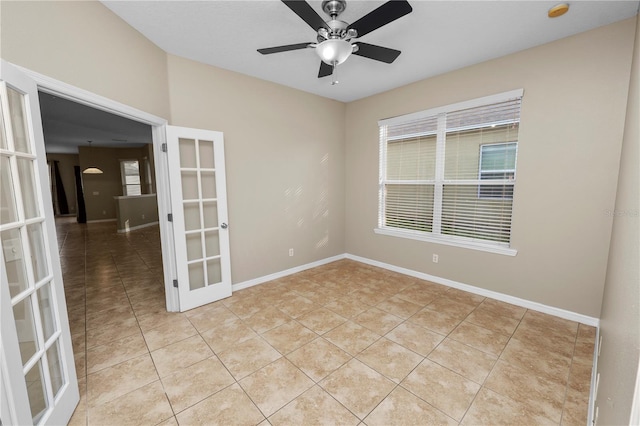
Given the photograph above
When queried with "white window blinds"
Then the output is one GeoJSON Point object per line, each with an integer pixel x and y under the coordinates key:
{"type": "Point", "coordinates": [130, 170]}
{"type": "Point", "coordinates": [451, 172]}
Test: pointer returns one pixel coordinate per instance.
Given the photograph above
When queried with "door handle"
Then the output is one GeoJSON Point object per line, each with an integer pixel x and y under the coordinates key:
{"type": "Point", "coordinates": [224, 226]}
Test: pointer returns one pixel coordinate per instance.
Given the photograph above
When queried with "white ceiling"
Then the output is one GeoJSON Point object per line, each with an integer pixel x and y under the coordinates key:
{"type": "Point", "coordinates": [437, 37]}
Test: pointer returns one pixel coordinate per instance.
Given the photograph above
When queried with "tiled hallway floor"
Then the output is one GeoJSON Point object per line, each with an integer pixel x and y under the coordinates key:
{"type": "Point", "coordinates": [344, 343]}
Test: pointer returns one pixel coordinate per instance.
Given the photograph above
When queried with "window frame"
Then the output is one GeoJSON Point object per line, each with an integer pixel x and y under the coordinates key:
{"type": "Point", "coordinates": [435, 235]}
{"type": "Point", "coordinates": [123, 177]}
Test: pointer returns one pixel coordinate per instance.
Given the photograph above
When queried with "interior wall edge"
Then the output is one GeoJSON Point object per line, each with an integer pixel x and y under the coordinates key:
{"type": "Point", "coordinates": [618, 396]}
{"type": "Point", "coordinates": [261, 280]}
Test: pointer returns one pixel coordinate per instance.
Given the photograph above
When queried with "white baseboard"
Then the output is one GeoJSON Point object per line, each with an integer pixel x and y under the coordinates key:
{"type": "Point", "coordinates": [101, 220]}
{"type": "Point", "coordinates": [133, 228]}
{"type": "Point", "coordinates": [276, 275]}
{"type": "Point", "coordinates": [535, 306]}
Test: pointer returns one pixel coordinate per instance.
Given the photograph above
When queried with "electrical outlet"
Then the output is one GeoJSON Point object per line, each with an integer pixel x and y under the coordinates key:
{"type": "Point", "coordinates": [290, 252]}
{"type": "Point", "coordinates": [143, 216]}
{"type": "Point", "coordinates": [435, 258]}
{"type": "Point", "coordinates": [104, 212]}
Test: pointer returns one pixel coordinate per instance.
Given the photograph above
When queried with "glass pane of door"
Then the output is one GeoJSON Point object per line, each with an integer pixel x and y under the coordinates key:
{"type": "Point", "coordinates": [55, 368]}
{"type": "Point", "coordinates": [14, 261]}
{"type": "Point", "coordinates": [8, 209]}
{"type": "Point", "coordinates": [26, 326]}
{"type": "Point", "coordinates": [18, 118]}
{"type": "Point", "coordinates": [25, 171]}
{"type": "Point", "coordinates": [47, 312]}
{"type": "Point", "coordinates": [37, 392]}
{"type": "Point", "coordinates": [3, 135]}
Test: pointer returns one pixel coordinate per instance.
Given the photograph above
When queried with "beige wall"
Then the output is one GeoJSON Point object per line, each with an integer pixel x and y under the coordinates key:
{"type": "Point", "coordinates": [285, 148]}
{"type": "Point", "coordinates": [573, 110]}
{"type": "Point", "coordinates": [66, 162]}
{"type": "Point", "coordinates": [84, 44]}
{"type": "Point", "coordinates": [620, 321]}
{"type": "Point", "coordinates": [296, 162]}
{"type": "Point", "coordinates": [136, 211]}
{"type": "Point", "coordinates": [284, 164]}
{"type": "Point", "coordinates": [100, 189]}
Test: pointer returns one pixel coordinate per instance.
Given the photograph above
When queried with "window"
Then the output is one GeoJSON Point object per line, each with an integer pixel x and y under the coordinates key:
{"type": "Point", "coordinates": [448, 174]}
{"type": "Point", "coordinates": [497, 161]}
{"type": "Point", "coordinates": [130, 171]}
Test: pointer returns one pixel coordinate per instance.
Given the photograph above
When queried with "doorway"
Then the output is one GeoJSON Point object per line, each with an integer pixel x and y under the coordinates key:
{"type": "Point", "coordinates": [81, 100]}
{"type": "Point", "coordinates": [197, 156]}
{"type": "Point", "coordinates": [101, 165]}
{"type": "Point", "coordinates": [173, 209]}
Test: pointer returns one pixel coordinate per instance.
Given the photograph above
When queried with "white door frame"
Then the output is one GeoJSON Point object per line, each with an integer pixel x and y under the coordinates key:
{"type": "Point", "coordinates": [158, 125]}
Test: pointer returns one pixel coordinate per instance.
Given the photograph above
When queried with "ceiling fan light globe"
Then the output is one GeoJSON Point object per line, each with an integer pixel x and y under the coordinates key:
{"type": "Point", "coordinates": [334, 51]}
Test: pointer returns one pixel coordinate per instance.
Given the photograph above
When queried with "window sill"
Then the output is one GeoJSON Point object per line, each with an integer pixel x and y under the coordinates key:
{"type": "Point", "coordinates": [455, 242]}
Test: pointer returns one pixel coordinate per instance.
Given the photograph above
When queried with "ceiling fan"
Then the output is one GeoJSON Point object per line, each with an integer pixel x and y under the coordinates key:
{"type": "Point", "coordinates": [336, 39]}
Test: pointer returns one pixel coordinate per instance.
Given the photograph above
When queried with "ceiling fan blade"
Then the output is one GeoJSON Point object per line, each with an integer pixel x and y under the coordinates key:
{"type": "Point", "coordinates": [306, 12]}
{"type": "Point", "coordinates": [388, 12]}
{"type": "Point", "coordinates": [378, 53]}
{"type": "Point", "coordinates": [284, 48]}
{"type": "Point", "coordinates": [325, 70]}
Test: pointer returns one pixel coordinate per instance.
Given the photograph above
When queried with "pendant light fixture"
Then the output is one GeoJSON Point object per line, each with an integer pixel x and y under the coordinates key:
{"type": "Point", "coordinates": [92, 170]}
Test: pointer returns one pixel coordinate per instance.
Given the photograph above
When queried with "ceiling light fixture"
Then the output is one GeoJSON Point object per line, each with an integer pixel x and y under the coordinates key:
{"type": "Point", "coordinates": [334, 51]}
{"type": "Point", "coordinates": [92, 170]}
{"type": "Point", "coordinates": [558, 10]}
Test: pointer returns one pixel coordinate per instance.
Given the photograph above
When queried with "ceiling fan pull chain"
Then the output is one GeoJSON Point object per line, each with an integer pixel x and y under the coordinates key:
{"type": "Point", "coordinates": [334, 78]}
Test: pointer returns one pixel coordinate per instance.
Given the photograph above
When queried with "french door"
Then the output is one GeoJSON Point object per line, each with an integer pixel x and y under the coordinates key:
{"type": "Point", "coordinates": [199, 210]}
{"type": "Point", "coordinates": [36, 360]}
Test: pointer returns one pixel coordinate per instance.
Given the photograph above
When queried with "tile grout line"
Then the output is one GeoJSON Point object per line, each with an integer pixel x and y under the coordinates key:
{"type": "Point", "coordinates": [321, 303]}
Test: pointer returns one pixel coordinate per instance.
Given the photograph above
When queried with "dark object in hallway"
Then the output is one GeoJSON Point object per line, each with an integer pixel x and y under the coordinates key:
{"type": "Point", "coordinates": [82, 211]}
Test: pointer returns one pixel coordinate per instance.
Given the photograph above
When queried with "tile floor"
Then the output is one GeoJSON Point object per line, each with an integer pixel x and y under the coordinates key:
{"type": "Point", "coordinates": [344, 343]}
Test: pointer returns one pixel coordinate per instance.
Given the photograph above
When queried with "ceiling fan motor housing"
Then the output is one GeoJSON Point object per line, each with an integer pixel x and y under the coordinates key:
{"type": "Point", "coordinates": [334, 8]}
